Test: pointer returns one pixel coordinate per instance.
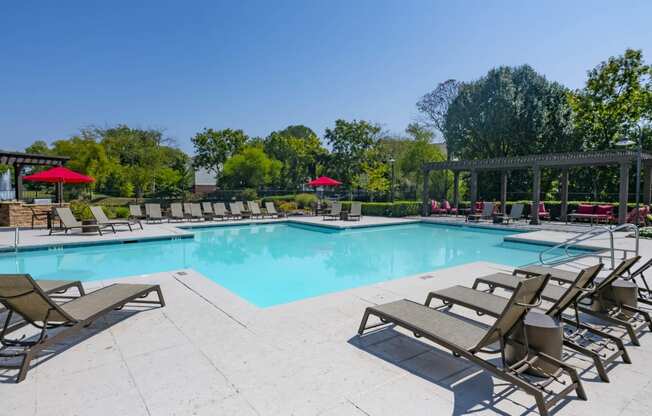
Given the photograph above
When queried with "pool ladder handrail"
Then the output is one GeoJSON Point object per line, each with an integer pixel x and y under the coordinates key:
{"type": "Point", "coordinates": [587, 235]}
{"type": "Point", "coordinates": [16, 239]}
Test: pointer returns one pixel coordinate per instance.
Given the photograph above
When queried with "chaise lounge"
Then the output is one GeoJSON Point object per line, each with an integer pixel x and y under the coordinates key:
{"type": "Point", "coordinates": [467, 340]}
{"type": "Point", "coordinates": [21, 295]}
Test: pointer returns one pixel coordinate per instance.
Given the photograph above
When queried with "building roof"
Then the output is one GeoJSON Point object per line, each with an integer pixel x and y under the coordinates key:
{"type": "Point", "coordinates": [574, 159]}
{"type": "Point", "coordinates": [17, 158]}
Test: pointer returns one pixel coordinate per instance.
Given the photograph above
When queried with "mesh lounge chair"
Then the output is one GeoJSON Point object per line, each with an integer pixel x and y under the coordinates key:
{"type": "Point", "coordinates": [196, 213]}
{"type": "Point", "coordinates": [207, 210]}
{"type": "Point", "coordinates": [487, 213]}
{"type": "Point", "coordinates": [20, 294]}
{"type": "Point", "coordinates": [271, 210]}
{"type": "Point", "coordinates": [135, 212]}
{"type": "Point", "coordinates": [102, 219]}
{"type": "Point", "coordinates": [236, 212]}
{"type": "Point", "coordinates": [176, 212]}
{"type": "Point", "coordinates": [57, 289]}
{"type": "Point", "coordinates": [69, 222]}
{"type": "Point", "coordinates": [153, 213]}
{"type": "Point", "coordinates": [244, 212]}
{"type": "Point", "coordinates": [187, 210]}
{"type": "Point", "coordinates": [334, 214]}
{"type": "Point", "coordinates": [644, 293]}
{"type": "Point", "coordinates": [467, 340]}
{"type": "Point", "coordinates": [356, 212]}
{"type": "Point", "coordinates": [552, 293]}
{"type": "Point", "coordinates": [254, 208]}
{"type": "Point", "coordinates": [220, 210]}
{"type": "Point", "coordinates": [575, 338]}
{"type": "Point", "coordinates": [515, 214]}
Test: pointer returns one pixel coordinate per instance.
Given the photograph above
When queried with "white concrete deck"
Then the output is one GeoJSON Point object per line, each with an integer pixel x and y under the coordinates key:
{"type": "Point", "coordinates": [208, 352]}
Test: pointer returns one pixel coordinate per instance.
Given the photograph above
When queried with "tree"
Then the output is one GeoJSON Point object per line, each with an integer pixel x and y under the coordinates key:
{"type": "Point", "coordinates": [350, 142]}
{"type": "Point", "coordinates": [510, 112]}
{"type": "Point", "coordinates": [419, 151]}
{"type": "Point", "coordinates": [617, 96]}
{"type": "Point", "coordinates": [298, 154]}
{"type": "Point", "coordinates": [214, 147]}
{"type": "Point", "coordinates": [250, 168]}
{"type": "Point", "coordinates": [434, 105]}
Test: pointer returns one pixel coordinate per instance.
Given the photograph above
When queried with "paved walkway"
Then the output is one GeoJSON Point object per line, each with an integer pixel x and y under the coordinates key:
{"type": "Point", "coordinates": [208, 352]}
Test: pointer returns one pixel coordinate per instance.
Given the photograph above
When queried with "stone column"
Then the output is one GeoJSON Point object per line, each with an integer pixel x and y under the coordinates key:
{"type": "Point", "coordinates": [425, 209]}
{"type": "Point", "coordinates": [473, 192]}
{"type": "Point", "coordinates": [536, 195]}
{"type": "Point", "coordinates": [503, 193]}
{"type": "Point", "coordinates": [563, 194]}
{"type": "Point", "coordinates": [456, 189]}
{"type": "Point", "coordinates": [647, 184]}
{"type": "Point", "coordinates": [623, 192]}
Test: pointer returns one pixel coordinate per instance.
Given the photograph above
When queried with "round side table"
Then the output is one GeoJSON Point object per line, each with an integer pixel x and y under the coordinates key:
{"type": "Point", "coordinates": [544, 334]}
{"type": "Point", "coordinates": [621, 292]}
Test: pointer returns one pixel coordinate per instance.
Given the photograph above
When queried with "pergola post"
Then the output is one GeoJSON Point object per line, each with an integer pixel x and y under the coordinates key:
{"type": "Point", "coordinates": [474, 190]}
{"type": "Point", "coordinates": [425, 208]}
{"type": "Point", "coordinates": [503, 192]}
{"type": "Point", "coordinates": [563, 191]}
{"type": "Point", "coordinates": [623, 192]}
{"type": "Point", "coordinates": [456, 189]}
{"type": "Point", "coordinates": [647, 184]}
{"type": "Point", "coordinates": [536, 195]}
{"type": "Point", "coordinates": [18, 180]}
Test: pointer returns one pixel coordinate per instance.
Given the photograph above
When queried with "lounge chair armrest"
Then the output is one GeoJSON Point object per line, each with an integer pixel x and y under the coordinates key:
{"type": "Point", "coordinates": [530, 305]}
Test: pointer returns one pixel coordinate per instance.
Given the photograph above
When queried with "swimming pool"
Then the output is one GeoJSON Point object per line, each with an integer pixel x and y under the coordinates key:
{"type": "Point", "coordinates": [271, 264]}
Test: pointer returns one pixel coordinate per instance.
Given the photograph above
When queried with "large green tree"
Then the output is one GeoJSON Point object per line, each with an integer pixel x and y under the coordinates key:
{"type": "Point", "coordinates": [510, 111]}
{"type": "Point", "coordinates": [350, 143]}
{"type": "Point", "coordinates": [250, 168]}
{"type": "Point", "coordinates": [214, 147]}
{"type": "Point", "coordinates": [299, 150]}
{"type": "Point", "coordinates": [617, 96]}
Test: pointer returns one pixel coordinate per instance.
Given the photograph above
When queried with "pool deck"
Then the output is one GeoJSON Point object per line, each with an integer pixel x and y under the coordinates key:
{"type": "Point", "coordinates": [209, 352]}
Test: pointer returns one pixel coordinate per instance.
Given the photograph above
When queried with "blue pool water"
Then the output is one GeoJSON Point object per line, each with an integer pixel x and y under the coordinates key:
{"type": "Point", "coordinates": [279, 263]}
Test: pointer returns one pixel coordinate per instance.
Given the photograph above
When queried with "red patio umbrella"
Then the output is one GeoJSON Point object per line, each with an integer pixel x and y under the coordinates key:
{"type": "Point", "coordinates": [324, 181]}
{"type": "Point", "coordinates": [59, 175]}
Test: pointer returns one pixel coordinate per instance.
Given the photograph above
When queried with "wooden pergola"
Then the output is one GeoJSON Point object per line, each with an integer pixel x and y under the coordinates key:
{"type": "Point", "coordinates": [20, 160]}
{"type": "Point", "coordinates": [562, 161]}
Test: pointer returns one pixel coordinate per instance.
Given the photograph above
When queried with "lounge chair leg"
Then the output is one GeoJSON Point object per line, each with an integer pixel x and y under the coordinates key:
{"type": "Point", "coordinates": [363, 324]}
{"type": "Point", "coordinates": [597, 363]}
{"type": "Point", "coordinates": [159, 292]}
{"type": "Point", "coordinates": [541, 403]}
{"type": "Point", "coordinates": [24, 367]}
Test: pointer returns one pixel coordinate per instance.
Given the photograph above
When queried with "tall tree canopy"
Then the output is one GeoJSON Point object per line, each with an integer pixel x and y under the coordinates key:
{"type": "Point", "coordinates": [214, 147]}
{"type": "Point", "coordinates": [350, 143]}
{"type": "Point", "coordinates": [250, 168]}
{"type": "Point", "coordinates": [617, 96]}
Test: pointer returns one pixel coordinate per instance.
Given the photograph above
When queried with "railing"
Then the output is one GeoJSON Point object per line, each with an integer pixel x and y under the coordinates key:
{"type": "Point", "coordinates": [592, 233]}
{"type": "Point", "coordinates": [16, 239]}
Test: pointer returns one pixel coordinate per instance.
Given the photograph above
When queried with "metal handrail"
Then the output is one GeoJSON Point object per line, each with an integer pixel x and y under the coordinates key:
{"type": "Point", "coordinates": [16, 239]}
{"type": "Point", "coordinates": [594, 232]}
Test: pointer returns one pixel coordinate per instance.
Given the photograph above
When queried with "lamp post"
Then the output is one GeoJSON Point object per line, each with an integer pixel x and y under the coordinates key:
{"type": "Point", "coordinates": [624, 142]}
{"type": "Point", "coordinates": [391, 162]}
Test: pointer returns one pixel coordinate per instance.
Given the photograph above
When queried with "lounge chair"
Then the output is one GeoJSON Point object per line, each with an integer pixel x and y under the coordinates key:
{"type": "Point", "coordinates": [236, 212]}
{"type": "Point", "coordinates": [355, 214]}
{"type": "Point", "coordinates": [487, 213]}
{"type": "Point", "coordinates": [565, 277]}
{"type": "Point", "coordinates": [575, 337]}
{"type": "Point", "coordinates": [254, 208]}
{"type": "Point", "coordinates": [135, 212]}
{"type": "Point", "coordinates": [543, 213]}
{"type": "Point", "coordinates": [207, 210]}
{"type": "Point", "coordinates": [335, 212]}
{"type": "Point", "coordinates": [69, 222]}
{"type": "Point", "coordinates": [102, 219]}
{"type": "Point", "coordinates": [20, 294]}
{"type": "Point", "coordinates": [271, 210]}
{"type": "Point", "coordinates": [244, 212]}
{"type": "Point", "coordinates": [55, 288]}
{"type": "Point", "coordinates": [220, 211]}
{"type": "Point", "coordinates": [589, 302]}
{"type": "Point", "coordinates": [515, 214]}
{"type": "Point", "coordinates": [467, 340]}
{"type": "Point", "coordinates": [196, 213]}
{"type": "Point", "coordinates": [153, 213]}
{"type": "Point", "coordinates": [176, 212]}
{"type": "Point", "coordinates": [187, 210]}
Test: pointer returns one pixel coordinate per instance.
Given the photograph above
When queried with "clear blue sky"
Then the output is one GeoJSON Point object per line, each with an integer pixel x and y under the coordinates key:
{"type": "Point", "coordinates": [261, 65]}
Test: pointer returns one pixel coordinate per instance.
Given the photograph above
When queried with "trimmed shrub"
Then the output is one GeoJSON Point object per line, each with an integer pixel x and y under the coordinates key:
{"type": "Point", "coordinates": [388, 209]}
{"type": "Point", "coordinates": [249, 194]}
{"type": "Point", "coordinates": [305, 200]}
{"type": "Point", "coordinates": [81, 210]}
{"type": "Point", "coordinates": [287, 206]}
